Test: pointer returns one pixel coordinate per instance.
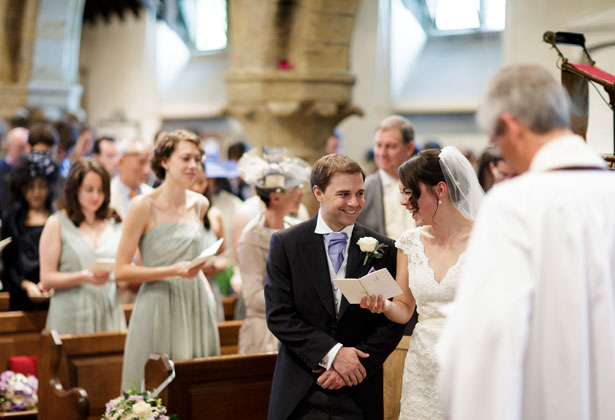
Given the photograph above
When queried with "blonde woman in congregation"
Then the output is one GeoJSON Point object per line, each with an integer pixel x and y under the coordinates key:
{"type": "Point", "coordinates": [441, 190]}
{"type": "Point", "coordinates": [278, 180]}
{"type": "Point", "coordinates": [175, 310]}
{"type": "Point", "coordinates": [83, 231]}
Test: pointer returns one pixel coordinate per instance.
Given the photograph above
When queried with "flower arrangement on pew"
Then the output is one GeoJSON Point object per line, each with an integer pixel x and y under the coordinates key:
{"type": "Point", "coordinates": [17, 391]}
{"type": "Point", "coordinates": [133, 405]}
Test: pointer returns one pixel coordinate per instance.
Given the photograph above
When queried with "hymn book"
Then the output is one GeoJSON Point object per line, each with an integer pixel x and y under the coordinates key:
{"type": "Point", "coordinates": [5, 242]}
{"type": "Point", "coordinates": [208, 254]}
{"type": "Point", "coordinates": [103, 264]}
{"type": "Point", "coordinates": [375, 283]}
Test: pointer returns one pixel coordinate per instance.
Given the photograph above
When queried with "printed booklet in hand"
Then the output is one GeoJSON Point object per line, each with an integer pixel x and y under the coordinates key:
{"type": "Point", "coordinates": [103, 264]}
{"type": "Point", "coordinates": [5, 242]}
{"type": "Point", "coordinates": [208, 254]}
{"type": "Point", "coordinates": [375, 283]}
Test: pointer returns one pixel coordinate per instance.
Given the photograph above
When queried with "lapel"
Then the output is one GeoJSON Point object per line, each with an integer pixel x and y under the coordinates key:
{"type": "Point", "coordinates": [354, 267]}
{"type": "Point", "coordinates": [317, 268]}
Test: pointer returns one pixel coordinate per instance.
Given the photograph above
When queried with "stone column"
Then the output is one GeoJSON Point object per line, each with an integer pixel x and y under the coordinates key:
{"type": "Point", "coordinates": [288, 82]}
{"type": "Point", "coordinates": [53, 83]}
{"type": "Point", "coordinates": [17, 33]}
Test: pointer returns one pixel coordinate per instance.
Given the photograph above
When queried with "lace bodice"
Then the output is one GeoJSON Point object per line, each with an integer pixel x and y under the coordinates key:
{"type": "Point", "coordinates": [430, 295]}
{"type": "Point", "coordinates": [420, 399]}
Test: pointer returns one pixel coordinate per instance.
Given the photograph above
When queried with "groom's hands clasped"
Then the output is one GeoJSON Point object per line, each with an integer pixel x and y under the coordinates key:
{"type": "Point", "coordinates": [348, 365]}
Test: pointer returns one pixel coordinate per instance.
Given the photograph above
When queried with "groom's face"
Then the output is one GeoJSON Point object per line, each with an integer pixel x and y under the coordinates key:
{"type": "Point", "coordinates": [342, 200]}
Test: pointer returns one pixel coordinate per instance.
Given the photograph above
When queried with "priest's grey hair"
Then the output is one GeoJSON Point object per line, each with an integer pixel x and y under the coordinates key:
{"type": "Point", "coordinates": [530, 95]}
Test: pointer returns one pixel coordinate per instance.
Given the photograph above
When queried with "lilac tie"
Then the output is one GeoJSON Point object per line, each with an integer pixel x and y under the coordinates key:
{"type": "Point", "coordinates": [336, 242]}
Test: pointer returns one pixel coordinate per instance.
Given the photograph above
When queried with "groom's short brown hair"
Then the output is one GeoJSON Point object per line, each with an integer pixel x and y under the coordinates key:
{"type": "Point", "coordinates": [329, 165]}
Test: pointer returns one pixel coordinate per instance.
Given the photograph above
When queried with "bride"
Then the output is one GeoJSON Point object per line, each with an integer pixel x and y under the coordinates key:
{"type": "Point", "coordinates": [441, 190]}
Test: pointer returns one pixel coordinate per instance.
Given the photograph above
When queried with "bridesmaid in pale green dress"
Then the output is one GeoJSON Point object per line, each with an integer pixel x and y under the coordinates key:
{"type": "Point", "coordinates": [72, 240]}
{"type": "Point", "coordinates": [175, 310]}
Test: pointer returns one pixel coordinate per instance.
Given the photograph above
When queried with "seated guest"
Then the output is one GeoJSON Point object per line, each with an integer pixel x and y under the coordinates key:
{"type": "Point", "coordinates": [31, 181]}
{"type": "Point", "coordinates": [278, 179]}
{"type": "Point", "coordinates": [214, 230]}
{"type": "Point", "coordinates": [74, 238]}
{"type": "Point", "coordinates": [134, 168]}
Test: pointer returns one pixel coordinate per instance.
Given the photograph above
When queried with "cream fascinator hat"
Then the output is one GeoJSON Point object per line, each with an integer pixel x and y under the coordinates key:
{"type": "Point", "coordinates": [273, 169]}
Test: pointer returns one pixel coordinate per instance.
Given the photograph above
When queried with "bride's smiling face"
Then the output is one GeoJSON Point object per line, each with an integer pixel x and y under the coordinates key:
{"type": "Point", "coordinates": [423, 207]}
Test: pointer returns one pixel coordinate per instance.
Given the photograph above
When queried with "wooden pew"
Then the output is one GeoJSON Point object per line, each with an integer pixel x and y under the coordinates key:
{"type": "Point", "coordinates": [223, 387]}
{"type": "Point", "coordinates": [4, 301]}
{"type": "Point", "coordinates": [393, 372]}
{"type": "Point", "coordinates": [94, 363]}
{"type": "Point", "coordinates": [90, 363]}
{"type": "Point", "coordinates": [228, 303]}
{"type": "Point", "coordinates": [19, 334]}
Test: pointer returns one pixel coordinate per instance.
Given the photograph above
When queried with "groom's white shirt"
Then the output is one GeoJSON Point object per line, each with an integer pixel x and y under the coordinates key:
{"type": "Point", "coordinates": [322, 228]}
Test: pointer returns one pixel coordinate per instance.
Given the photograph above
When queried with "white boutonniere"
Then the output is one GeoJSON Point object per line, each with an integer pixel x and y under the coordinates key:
{"type": "Point", "coordinates": [371, 247]}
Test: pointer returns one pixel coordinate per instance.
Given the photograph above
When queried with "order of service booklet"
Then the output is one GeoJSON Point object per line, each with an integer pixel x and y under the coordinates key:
{"type": "Point", "coordinates": [207, 254]}
{"type": "Point", "coordinates": [376, 283]}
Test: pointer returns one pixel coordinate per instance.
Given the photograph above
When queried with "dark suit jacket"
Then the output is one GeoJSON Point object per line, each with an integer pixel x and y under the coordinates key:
{"type": "Point", "coordinates": [5, 194]}
{"type": "Point", "coordinates": [301, 314]}
{"type": "Point", "coordinates": [372, 215]}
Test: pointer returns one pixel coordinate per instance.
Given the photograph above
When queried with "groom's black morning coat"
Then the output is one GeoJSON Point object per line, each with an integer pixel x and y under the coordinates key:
{"type": "Point", "coordinates": [301, 314]}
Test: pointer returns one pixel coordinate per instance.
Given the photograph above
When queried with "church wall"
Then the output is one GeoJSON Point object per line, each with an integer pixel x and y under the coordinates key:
{"type": "Point", "coordinates": [117, 71]}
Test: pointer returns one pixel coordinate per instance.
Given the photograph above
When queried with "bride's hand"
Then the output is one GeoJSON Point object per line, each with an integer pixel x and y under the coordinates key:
{"type": "Point", "coordinates": [375, 304]}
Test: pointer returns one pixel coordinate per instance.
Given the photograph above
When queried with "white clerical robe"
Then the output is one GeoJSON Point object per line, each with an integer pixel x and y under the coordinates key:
{"type": "Point", "coordinates": [531, 333]}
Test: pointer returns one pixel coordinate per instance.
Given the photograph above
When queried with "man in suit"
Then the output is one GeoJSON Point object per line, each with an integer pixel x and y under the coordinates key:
{"type": "Point", "coordinates": [393, 145]}
{"type": "Point", "coordinates": [331, 353]}
{"type": "Point", "coordinates": [16, 145]}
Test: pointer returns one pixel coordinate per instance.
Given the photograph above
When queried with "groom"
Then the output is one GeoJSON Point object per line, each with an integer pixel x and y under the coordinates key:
{"type": "Point", "coordinates": [331, 353]}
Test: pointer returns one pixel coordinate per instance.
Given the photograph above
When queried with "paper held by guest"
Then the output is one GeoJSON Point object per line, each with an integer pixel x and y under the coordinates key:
{"type": "Point", "coordinates": [5, 242]}
{"type": "Point", "coordinates": [103, 264]}
{"type": "Point", "coordinates": [207, 254]}
{"type": "Point", "coordinates": [376, 283]}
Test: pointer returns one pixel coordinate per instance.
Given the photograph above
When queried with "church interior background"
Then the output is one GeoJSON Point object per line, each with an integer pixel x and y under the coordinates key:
{"type": "Point", "coordinates": [285, 73]}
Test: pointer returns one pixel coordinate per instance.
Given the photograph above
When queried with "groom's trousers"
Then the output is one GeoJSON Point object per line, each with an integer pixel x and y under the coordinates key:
{"type": "Point", "coordinates": [320, 404]}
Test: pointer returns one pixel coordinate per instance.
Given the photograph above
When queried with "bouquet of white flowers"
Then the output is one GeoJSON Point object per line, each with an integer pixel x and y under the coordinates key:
{"type": "Point", "coordinates": [17, 392]}
{"type": "Point", "coordinates": [133, 405]}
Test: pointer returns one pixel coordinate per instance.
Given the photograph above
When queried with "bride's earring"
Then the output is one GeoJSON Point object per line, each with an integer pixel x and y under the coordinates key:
{"type": "Point", "coordinates": [439, 201]}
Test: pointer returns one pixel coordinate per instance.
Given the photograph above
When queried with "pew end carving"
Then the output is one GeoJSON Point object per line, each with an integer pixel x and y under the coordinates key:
{"type": "Point", "coordinates": [72, 404]}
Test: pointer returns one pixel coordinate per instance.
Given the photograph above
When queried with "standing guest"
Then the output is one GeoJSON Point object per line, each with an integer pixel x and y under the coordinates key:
{"type": "Point", "coordinates": [442, 192]}
{"type": "Point", "coordinates": [214, 230]}
{"type": "Point", "coordinates": [16, 145]}
{"type": "Point", "coordinates": [83, 231]}
{"type": "Point", "coordinates": [31, 181]}
{"type": "Point", "coordinates": [175, 310]}
{"type": "Point", "coordinates": [68, 131]}
{"type": "Point", "coordinates": [331, 353]}
{"type": "Point", "coordinates": [278, 179]}
{"type": "Point", "coordinates": [492, 169]}
{"type": "Point", "coordinates": [393, 145]}
{"type": "Point", "coordinates": [532, 332]}
{"type": "Point", "coordinates": [105, 151]}
{"type": "Point", "coordinates": [44, 138]}
{"type": "Point", "coordinates": [134, 169]}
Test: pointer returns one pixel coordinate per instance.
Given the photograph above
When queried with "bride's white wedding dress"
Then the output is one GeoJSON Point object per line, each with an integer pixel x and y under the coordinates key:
{"type": "Point", "coordinates": [419, 397]}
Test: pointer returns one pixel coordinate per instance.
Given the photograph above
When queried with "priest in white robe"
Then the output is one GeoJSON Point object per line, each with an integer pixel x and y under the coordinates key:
{"type": "Point", "coordinates": [531, 334]}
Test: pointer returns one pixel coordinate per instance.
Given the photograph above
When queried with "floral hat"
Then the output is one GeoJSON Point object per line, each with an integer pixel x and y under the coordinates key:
{"type": "Point", "coordinates": [273, 169]}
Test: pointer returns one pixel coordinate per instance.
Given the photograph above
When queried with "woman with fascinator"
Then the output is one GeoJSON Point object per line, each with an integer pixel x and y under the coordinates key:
{"type": "Point", "coordinates": [441, 190]}
{"type": "Point", "coordinates": [31, 181]}
{"type": "Point", "coordinates": [278, 179]}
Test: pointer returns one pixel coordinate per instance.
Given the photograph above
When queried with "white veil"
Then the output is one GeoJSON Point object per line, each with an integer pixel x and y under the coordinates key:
{"type": "Point", "coordinates": [464, 188]}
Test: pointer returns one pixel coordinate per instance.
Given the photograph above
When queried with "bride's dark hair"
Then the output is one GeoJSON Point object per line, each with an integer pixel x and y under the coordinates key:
{"type": "Point", "coordinates": [422, 168]}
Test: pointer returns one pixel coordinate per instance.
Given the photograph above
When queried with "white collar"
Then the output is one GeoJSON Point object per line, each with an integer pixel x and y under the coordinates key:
{"type": "Point", "coordinates": [565, 151]}
{"type": "Point", "coordinates": [385, 178]}
{"type": "Point", "coordinates": [322, 227]}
